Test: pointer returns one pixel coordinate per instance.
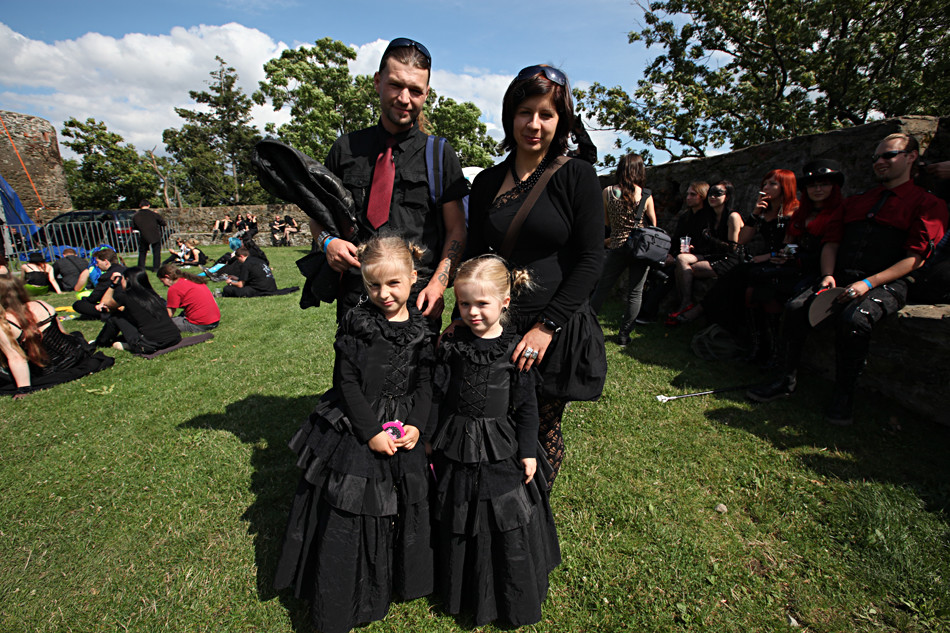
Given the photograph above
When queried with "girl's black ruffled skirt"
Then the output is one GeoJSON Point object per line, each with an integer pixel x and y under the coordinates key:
{"type": "Point", "coordinates": [497, 541]}
{"type": "Point", "coordinates": [358, 531]}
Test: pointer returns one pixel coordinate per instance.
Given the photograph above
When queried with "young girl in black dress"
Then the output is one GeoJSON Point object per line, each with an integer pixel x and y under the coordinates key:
{"type": "Point", "coordinates": [496, 537]}
{"type": "Point", "coordinates": [359, 526]}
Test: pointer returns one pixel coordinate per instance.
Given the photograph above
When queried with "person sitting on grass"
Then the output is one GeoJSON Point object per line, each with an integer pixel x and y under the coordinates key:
{"type": "Point", "coordinates": [193, 255]}
{"type": "Point", "coordinates": [254, 280]}
{"type": "Point", "coordinates": [36, 352]}
{"type": "Point", "coordinates": [137, 313]}
{"type": "Point", "coordinates": [38, 275]}
{"type": "Point", "coordinates": [105, 260]}
{"type": "Point", "coordinates": [200, 311]}
{"type": "Point", "coordinates": [69, 270]}
{"type": "Point", "coordinates": [177, 254]}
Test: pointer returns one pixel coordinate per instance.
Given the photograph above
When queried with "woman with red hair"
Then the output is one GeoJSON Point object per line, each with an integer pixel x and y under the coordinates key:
{"type": "Point", "coordinates": [761, 240]}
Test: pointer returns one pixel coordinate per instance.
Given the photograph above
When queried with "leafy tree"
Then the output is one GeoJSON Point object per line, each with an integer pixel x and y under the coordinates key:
{"type": "Point", "coordinates": [459, 122]}
{"type": "Point", "coordinates": [214, 145]}
{"type": "Point", "coordinates": [751, 71]}
{"type": "Point", "coordinates": [108, 174]}
{"type": "Point", "coordinates": [325, 102]}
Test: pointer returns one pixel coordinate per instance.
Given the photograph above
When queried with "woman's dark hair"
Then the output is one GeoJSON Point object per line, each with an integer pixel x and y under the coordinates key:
{"type": "Point", "coordinates": [521, 89]}
{"type": "Point", "coordinates": [106, 255]}
{"type": "Point", "coordinates": [171, 271]}
{"type": "Point", "coordinates": [727, 206]}
{"type": "Point", "coordinates": [630, 173]}
{"type": "Point", "coordinates": [806, 207]}
{"type": "Point", "coordinates": [139, 289]}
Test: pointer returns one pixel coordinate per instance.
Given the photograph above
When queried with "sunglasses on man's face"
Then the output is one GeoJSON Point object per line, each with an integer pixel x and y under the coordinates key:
{"type": "Point", "coordinates": [405, 42]}
{"type": "Point", "coordinates": [552, 73]}
{"type": "Point", "coordinates": [891, 155]}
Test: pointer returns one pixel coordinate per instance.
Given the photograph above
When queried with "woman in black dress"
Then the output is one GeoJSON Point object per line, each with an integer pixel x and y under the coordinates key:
{"type": "Point", "coordinates": [36, 353]}
{"type": "Point", "coordinates": [38, 275]}
{"type": "Point", "coordinates": [137, 313]}
{"type": "Point", "coordinates": [562, 238]}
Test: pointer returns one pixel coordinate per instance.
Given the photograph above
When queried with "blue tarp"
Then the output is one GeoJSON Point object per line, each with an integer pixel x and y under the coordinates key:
{"type": "Point", "coordinates": [13, 210]}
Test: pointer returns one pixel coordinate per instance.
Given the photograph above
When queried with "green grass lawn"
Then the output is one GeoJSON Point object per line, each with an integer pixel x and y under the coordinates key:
{"type": "Point", "coordinates": [153, 496]}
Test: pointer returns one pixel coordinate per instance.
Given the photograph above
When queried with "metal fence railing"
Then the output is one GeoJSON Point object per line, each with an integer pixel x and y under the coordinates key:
{"type": "Point", "coordinates": [21, 240]}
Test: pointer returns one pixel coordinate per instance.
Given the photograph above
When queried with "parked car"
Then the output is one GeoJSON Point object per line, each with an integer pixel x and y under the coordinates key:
{"type": "Point", "coordinates": [88, 229]}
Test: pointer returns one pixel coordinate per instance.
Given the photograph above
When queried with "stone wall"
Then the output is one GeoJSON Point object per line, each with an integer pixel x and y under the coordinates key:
{"type": "Point", "coordinates": [36, 142]}
{"type": "Point", "coordinates": [909, 360]}
{"type": "Point", "coordinates": [199, 221]}
{"type": "Point", "coordinates": [852, 147]}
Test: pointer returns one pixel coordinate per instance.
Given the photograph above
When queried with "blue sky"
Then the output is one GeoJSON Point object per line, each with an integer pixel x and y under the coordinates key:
{"type": "Point", "coordinates": [131, 64]}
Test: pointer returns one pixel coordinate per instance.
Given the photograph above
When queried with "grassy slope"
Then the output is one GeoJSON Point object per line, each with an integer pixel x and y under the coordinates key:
{"type": "Point", "coordinates": [152, 496]}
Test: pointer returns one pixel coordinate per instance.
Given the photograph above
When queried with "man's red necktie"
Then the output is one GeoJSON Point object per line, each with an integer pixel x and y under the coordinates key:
{"type": "Point", "coordinates": [381, 191]}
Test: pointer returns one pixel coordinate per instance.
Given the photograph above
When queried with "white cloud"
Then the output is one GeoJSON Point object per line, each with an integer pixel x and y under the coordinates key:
{"type": "Point", "coordinates": [135, 82]}
{"type": "Point", "coordinates": [132, 83]}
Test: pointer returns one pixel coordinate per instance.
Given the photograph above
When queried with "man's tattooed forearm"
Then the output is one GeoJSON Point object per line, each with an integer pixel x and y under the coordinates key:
{"type": "Point", "coordinates": [442, 275]}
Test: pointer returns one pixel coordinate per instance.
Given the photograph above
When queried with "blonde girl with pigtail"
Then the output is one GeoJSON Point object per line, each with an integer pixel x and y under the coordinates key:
{"type": "Point", "coordinates": [496, 538]}
{"type": "Point", "coordinates": [358, 533]}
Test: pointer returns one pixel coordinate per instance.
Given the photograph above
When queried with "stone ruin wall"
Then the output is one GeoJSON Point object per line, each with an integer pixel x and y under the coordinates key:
{"type": "Point", "coordinates": [852, 147]}
{"type": "Point", "coordinates": [36, 142]}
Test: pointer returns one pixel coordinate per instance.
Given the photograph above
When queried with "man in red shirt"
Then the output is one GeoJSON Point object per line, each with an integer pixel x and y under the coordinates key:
{"type": "Point", "coordinates": [872, 243]}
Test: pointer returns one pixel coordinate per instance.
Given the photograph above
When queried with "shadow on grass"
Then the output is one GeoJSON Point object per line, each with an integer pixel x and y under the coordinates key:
{"type": "Point", "coordinates": [910, 454]}
{"type": "Point", "coordinates": [887, 443]}
{"type": "Point", "coordinates": [267, 423]}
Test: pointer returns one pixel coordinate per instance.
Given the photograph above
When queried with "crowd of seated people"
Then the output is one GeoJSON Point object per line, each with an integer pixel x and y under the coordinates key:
{"type": "Point", "coordinates": [800, 238]}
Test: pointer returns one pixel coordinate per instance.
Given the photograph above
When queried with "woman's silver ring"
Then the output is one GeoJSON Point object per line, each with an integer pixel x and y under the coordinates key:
{"type": "Point", "coordinates": [529, 352]}
{"type": "Point", "coordinates": [852, 292]}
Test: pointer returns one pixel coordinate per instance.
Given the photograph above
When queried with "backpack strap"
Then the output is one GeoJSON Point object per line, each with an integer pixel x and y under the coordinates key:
{"type": "Point", "coordinates": [435, 151]}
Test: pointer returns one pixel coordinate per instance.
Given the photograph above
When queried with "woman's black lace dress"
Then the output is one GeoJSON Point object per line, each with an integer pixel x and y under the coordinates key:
{"type": "Point", "coordinates": [68, 355]}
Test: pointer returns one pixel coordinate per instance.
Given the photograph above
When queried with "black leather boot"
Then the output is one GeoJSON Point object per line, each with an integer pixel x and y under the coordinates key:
{"type": "Point", "coordinates": [623, 336]}
{"type": "Point", "coordinates": [850, 355]}
{"type": "Point", "coordinates": [780, 388]}
{"type": "Point", "coordinates": [840, 411]}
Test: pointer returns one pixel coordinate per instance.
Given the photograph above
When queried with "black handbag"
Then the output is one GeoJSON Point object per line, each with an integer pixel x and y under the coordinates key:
{"type": "Point", "coordinates": [649, 243]}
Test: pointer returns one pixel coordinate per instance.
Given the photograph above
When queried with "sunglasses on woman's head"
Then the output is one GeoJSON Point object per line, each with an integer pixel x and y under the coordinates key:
{"type": "Point", "coordinates": [552, 73]}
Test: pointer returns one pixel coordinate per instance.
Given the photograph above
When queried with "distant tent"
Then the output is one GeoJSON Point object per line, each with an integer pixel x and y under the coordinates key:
{"type": "Point", "coordinates": [13, 210]}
